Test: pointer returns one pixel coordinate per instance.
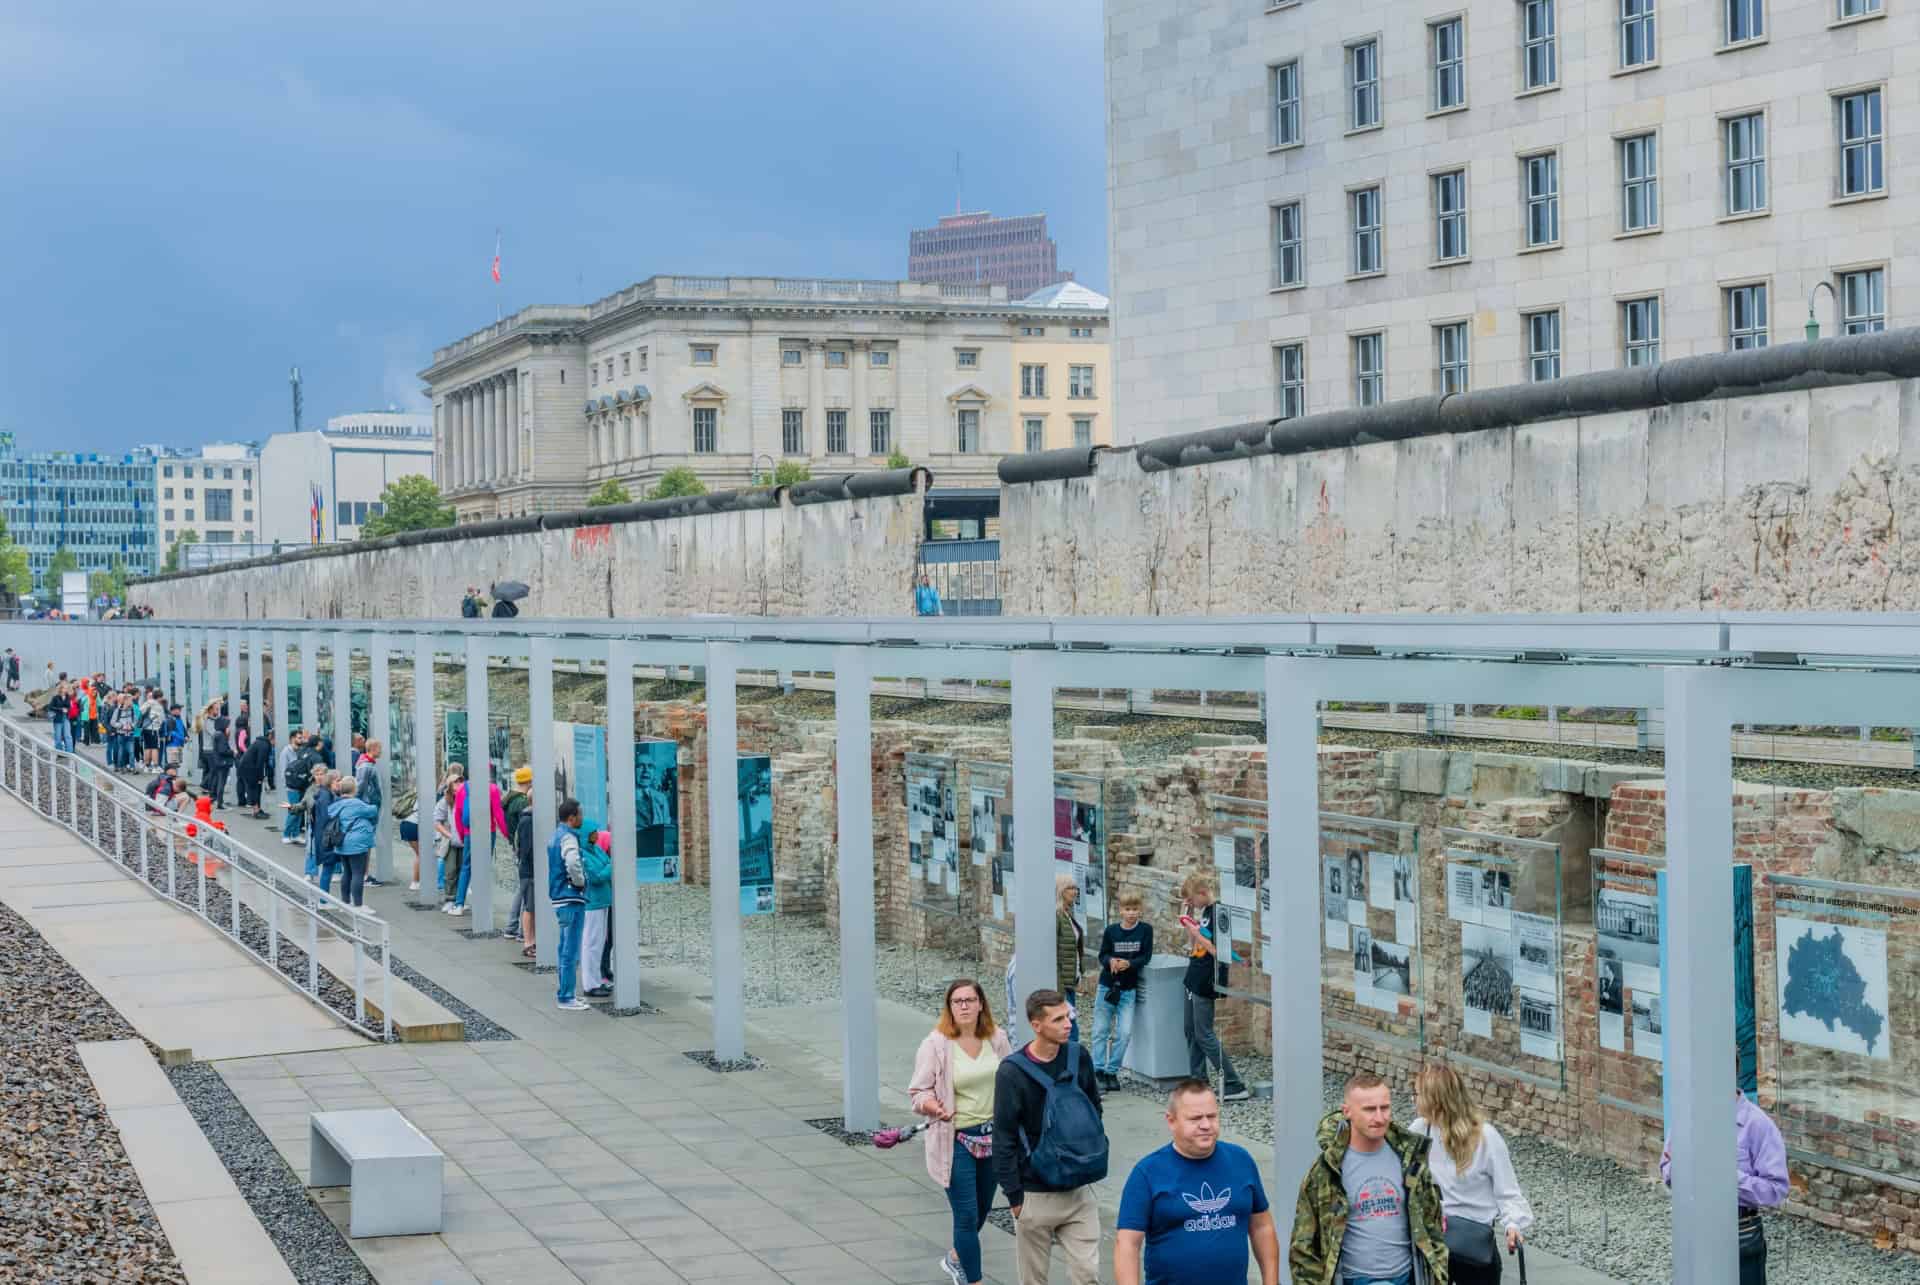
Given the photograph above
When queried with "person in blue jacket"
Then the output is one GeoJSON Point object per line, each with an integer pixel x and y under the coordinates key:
{"type": "Point", "coordinates": [356, 819]}
{"type": "Point", "coordinates": [597, 857]}
{"type": "Point", "coordinates": [926, 598]}
{"type": "Point", "coordinates": [567, 890]}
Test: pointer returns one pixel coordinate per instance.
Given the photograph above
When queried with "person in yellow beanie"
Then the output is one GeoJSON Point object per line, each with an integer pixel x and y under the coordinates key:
{"type": "Point", "coordinates": [520, 799]}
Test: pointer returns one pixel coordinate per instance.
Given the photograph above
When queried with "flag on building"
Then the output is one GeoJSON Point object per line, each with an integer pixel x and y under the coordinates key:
{"type": "Point", "coordinates": [496, 258]}
{"type": "Point", "coordinates": [316, 513]}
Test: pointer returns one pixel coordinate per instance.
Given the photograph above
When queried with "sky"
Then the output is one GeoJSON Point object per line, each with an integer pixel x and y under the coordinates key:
{"type": "Point", "coordinates": [199, 196]}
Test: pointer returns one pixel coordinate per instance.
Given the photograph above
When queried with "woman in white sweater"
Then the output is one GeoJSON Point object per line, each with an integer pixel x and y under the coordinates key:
{"type": "Point", "coordinates": [1478, 1190]}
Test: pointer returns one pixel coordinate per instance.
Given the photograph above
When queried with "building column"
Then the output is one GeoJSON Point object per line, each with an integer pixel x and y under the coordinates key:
{"type": "Point", "coordinates": [816, 398]}
{"type": "Point", "coordinates": [466, 437]}
{"type": "Point", "coordinates": [859, 435]}
{"type": "Point", "coordinates": [513, 424]}
{"type": "Point", "coordinates": [723, 850]}
{"type": "Point", "coordinates": [440, 443]}
{"type": "Point", "coordinates": [497, 411]}
{"type": "Point", "coordinates": [489, 447]}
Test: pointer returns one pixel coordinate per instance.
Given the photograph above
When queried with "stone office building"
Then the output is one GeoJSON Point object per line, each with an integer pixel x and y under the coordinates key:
{"type": "Point", "coordinates": [729, 376]}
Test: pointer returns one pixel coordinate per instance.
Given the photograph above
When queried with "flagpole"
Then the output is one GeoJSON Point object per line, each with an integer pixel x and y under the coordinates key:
{"type": "Point", "coordinates": [496, 276]}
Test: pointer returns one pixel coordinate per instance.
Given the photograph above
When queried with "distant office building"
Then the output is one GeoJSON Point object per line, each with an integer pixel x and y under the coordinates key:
{"type": "Point", "coordinates": [322, 485]}
{"type": "Point", "coordinates": [978, 249]}
{"type": "Point", "coordinates": [98, 506]}
{"type": "Point", "coordinates": [212, 491]}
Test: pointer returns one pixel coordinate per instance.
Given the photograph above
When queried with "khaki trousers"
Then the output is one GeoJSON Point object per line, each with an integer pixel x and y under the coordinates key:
{"type": "Point", "coordinates": [1069, 1219]}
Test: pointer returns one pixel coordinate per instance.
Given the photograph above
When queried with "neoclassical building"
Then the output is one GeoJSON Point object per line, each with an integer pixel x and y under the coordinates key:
{"type": "Point", "coordinates": [731, 375]}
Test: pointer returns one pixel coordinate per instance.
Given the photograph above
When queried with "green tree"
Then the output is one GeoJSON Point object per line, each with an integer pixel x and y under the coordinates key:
{"type": "Point", "coordinates": [16, 569]}
{"type": "Point", "coordinates": [410, 503]}
{"type": "Point", "coordinates": [112, 582]}
{"type": "Point", "coordinates": [188, 536]}
{"type": "Point", "coordinates": [676, 482]}
{"type": "Point", "coordinates": [63, 561]}
{"type": "Point", "coordinates": [611, 492]}
{"type": "Point", "coordinates": [899, 460]}
{"type": "Point", "coordinates": [787, 472]}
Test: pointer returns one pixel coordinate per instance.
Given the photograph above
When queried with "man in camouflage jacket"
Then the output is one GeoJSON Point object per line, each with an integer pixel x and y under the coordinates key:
{"type": "Point", "coordinates": [1320, 1216]}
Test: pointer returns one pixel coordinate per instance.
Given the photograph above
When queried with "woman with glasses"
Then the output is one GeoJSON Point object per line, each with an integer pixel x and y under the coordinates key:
{"type": "Point", "coordinates": [952, 1086]}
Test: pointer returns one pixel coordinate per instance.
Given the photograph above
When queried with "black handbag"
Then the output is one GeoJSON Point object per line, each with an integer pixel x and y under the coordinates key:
{"type": "Point", "coordinates": [1472, 1243]}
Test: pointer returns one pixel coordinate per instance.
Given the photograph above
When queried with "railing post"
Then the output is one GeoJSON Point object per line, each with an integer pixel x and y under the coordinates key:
{"type": "Point", "coordinates": [359, 979]}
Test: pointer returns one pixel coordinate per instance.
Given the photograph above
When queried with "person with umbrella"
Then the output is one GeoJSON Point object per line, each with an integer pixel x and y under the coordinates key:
{"type": "Point", "coordinates": [505, 595]}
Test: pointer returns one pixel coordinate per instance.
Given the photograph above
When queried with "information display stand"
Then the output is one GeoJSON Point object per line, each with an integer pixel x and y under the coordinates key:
{"type": "Point", "coordinates": [1502, 1002]}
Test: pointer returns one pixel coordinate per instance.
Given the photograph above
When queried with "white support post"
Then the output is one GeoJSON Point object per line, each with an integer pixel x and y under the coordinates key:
{"type": "Point", "coordinates": [620, 820]}
{"type": "Point", "coordinates": [256, 672]}
{"type": "Point", "coordinates": [853, 775]}
{"type": "Point", "coordinates": [343, 702]}
{"type": "Point", "coordinates": [425, 738]}
{"type": "Point", "coordinates": [277, 645]}
{"type": "Point", "coordinates": [1700, 1083]}
{"type": "Point", "coordinates": [233, 677]}
{"type": "Point", "coordinates": [479, 791]}
{"type": "Point", "coordinates": [311, 716]}
{"type": "Point", "coordinates": [546, 929]}
{"type": "Point", "coordinates": [1033, 864]}
{"type": "Point", "coordinates": [723, 851]}
{"type": "Point", "coordinates": [1293, 820]}
{"type": "Point", "coordinates": [380, 728]}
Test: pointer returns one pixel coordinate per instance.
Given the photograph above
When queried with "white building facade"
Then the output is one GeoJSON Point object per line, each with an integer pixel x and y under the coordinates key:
{"type": "Point", "coordinates": [214, 491]}
{"type": "Point", "coordinates": [1320, 206]}
{"type": "Point", "coordinates": [729, 376]}
{"type": "Point", "coordinates": [339, 473]}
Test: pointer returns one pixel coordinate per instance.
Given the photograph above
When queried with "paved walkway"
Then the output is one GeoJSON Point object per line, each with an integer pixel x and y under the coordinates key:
{"type": "Point", "coordinates": [179, 981]}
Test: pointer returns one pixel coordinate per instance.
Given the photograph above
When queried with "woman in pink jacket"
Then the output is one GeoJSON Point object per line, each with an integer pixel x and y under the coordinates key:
{"type": "Point", "coordinates": [953, 1086]}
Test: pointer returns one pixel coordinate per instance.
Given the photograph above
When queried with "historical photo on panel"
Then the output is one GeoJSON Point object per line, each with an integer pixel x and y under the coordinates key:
{"type": "Point", "coordinates": [1540, 1024]}
{"type": "Point", "coordinates": [1333, 900]}
{"type": "Point", "coordinates": [1833, 986]}
{"type": "Point", "coordinates": [1611, 987]}
{"type": "Point", "coordinates": [1486, 976]}
{"type": "Point", "coordinates": [1628, 924]}
{"type": "Point", "coordinates": [1536, 944]}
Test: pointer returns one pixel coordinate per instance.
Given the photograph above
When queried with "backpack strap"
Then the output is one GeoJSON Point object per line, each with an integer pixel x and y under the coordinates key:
{"type": "Point", "coordinates": [1025, 1063]}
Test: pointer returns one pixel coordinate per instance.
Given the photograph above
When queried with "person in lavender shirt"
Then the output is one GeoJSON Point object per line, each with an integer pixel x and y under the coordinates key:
{"type": "Point", "coordinates": [1763, 1181]}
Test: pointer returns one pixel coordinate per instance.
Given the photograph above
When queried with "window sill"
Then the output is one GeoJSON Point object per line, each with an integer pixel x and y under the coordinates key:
{"type": "Point", "coordinates": [1277, 148]}
{"type": "Point", "coordinates": [1881, 195]}
{"type": "Point", "coordinates": [1450, 263]}
{"type": "Point", "coordinates": [1858, 18]}
{"type": "Point", "coordinates": [1541, 249]}
{"type": "Point", "coordinates": [1637, 233]}
{"type": "Point", "coordinates": [1365, 129]}
{"type": "Point", "coordinates": [1744, 216]}
{"type": "Point", "coordinates": [1454, 110]}
{"type": "Point", "coordinates": [1287, 289]}
{"type": "Point", "coordinates": [1538, 90]}
{"type": "Point", "coordinates": [1366, 276]}
{"type": "Point", "coordinates": [1636, 69]}
{"type": "Point", "coordinates": [1738, 45]}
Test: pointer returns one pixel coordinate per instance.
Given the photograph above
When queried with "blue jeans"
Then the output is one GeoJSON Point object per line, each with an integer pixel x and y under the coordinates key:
{"type": "Point", "coordinates": [466, 874]}
{"type": "Point", "coordinates": [330, 864]}
{"type": "Point", "coordinates": [571, 919]}
{"type": "Point", "coordinates": [1404, 1278]}
{"type": "Point", "coordinates": [63, 735]}
{"type": "Point", "coordinates": [290, 828]}
{"type": "Point", "coordinates": [970, 1196]}
{"type": "Point", "coordinates": [1115, 1021]}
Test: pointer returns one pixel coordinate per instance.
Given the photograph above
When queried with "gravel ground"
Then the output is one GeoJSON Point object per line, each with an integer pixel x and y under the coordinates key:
{"type": "Point", "coordinates": [71, 1206]}
{"type": "Point", "coordinates": [313, 1247]}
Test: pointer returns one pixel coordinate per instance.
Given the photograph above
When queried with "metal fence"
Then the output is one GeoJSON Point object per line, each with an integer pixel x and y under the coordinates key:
{"type": "Point", "coordinates": [270, 912]}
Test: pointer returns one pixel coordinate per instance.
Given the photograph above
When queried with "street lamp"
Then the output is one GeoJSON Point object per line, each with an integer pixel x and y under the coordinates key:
{"type": "Point", "coordinates": [1813, 326]}
{"type": "Point", "coordinates": [756, 468]}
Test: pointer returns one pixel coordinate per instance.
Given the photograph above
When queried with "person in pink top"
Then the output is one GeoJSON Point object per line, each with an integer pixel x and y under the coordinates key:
{"type": "Point", "coordinates": [464, 837]}
{"type": "Point", "coordinates": [952, 1085]}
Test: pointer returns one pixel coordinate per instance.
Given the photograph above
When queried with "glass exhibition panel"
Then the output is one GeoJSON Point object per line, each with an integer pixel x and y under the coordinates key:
{"type": "Point", "coordinates": [1502, 1007]}
{"type": "Point", "coordinates": [933, 836]}
{"type": "Point", "coordinates": [1845, 994]}
{"type": "Point", "coordinates": [1241, 863]}
{"type": "Point", "coordinates": [1370, 950]}
{"type": "Point", "coordinates": [1080, 845]}
{"type": "Point", "coordinates": [990, 829]}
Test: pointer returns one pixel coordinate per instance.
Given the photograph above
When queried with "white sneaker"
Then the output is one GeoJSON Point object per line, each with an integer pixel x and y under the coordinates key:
{"type": "Point", "coordinates": [363, 910]}
{"type": "Point", "coordinates": [575, 1006]}
{"type": "Point", "coordinates": [445, 907]}
{"type": "Point", "coordinates": [457, 911]}
{"type": "Point", "coordinates": [952, 1269]}
{"type": "Point", "coordinates": [414, 886]}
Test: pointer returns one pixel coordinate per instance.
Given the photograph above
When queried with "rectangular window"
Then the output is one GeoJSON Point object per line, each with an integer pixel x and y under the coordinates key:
{"type": "Point", "coordinates": [1450, 357]}
{"type": "Point", "coordinates": [1858, 8]}
{"type": "Point", "coordinates": [1539, 56]}
{"type": "Point", "coordinates": [1542, 175]}
{"type": "Point", "coordinates": [1363, 85]}
{"type": "Point", "coordinates": [836, 432]}
{"type": "Point", "coordinates": [246, 475]}
{"type": "Point", "coordinates": [1639, 183]}
{"type": "Point", "coordinates": [169, 493]}
{"type": "Point", "coordinates": [703, 354]}
{"type": "Point", "coordinates": [1080, 332]}
{"type": "Point", "coordinates": [639, 360]}
{"type": "Point", "coordinates": [1447, 40]}
{"type": "Point", "coordinates": [1450, 215]}
{"type": "Point", "coordinates": [1079, 381]}
{"type": "Point", "coordinates": [169, 515]}
{"type": "Point", "coordinates": [1369, 369]}
{"type": "Point", "coordinates": [166, 471]}
{"type": "Point", "coordinates": [1745, 138]}
{"type": "Point", "coordinates": [359, 512]}
{"type": "Point", "coordinates": [626, 363]}
{"type": "Point", "coordinates": [1861, 170]}
{"type": "Point", "coordinates": [1637, 47]}
{"type": "Point", "coordinates": [966, 358]}
{"type": "Point", "coordinates": [1746, 20]}
{"type": "Point", "coordinates": [1543, 345]}
{"type": "Point", "coordinates": [219, 504]}
{"type": "Point", "coordinates": [791, 357]}
{"type": "Point", "coordinates": [1747, 317]}
{"type": "Point", "coordinates": [1289, 246]}
{"type": "Point", "coordinates": [344, 513]}
{"type": "Point", "coordinates": [593, 375]}
{"type": "Point", "coordinates": [793, 432]}
{"type": "Point", "coordinates": [189, 491]}
{"type": "Point", "coordinates": [837, 357]}
{"type": "Point", "coordinates": [1290, 380]}
{"type": "Point", "coordinates": [967, 432]}
{"type": "Point", "coordinates": [880, 357]}
{"type": "Point", "coordinates": [1036, 433]}
{"type": "Point", "coordinates": [1283, 93]}
{"type": "Point", "coordinates": [1863, 301]}
{"type": "Point", "coordinates": [248, 515]}
{"type": "Point", "coordinates": [1640, 332]}
{"type": "Point", "coordinates": [1033, 381]}
{"type": "Point", "coordinates": [706, 429]}
{"type": "Point", "coordinates": [880, 432]}
{"type": "Point", "coordinates": [1082, 431]}
{"type": "Point", "coordinates": [1365, 208]}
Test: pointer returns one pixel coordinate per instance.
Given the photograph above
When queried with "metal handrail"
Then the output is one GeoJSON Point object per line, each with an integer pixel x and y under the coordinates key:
{"type": "Point", "coordinates": [290, 908]}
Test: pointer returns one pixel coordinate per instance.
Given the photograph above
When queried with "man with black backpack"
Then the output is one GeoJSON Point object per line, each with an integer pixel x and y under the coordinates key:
{"type": "Point", "coordinates": [1049, 1145]}
{"type": "Point", "coordinates": [297, 776]}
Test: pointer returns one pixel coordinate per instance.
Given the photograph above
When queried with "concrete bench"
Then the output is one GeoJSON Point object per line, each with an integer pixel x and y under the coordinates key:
{"type": "Point", "coordinates": [393, 1172]}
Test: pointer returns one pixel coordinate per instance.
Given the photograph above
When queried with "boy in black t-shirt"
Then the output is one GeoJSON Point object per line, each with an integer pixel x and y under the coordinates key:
{"type": "Point", "coordinates": [1125, 948]}
{"type": "Point", "coordinates": [1209, 950]}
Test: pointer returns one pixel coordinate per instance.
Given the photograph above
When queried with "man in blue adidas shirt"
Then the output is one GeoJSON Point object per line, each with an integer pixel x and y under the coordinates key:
{"type": "Point", "coordinates": [1195, 1205]}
